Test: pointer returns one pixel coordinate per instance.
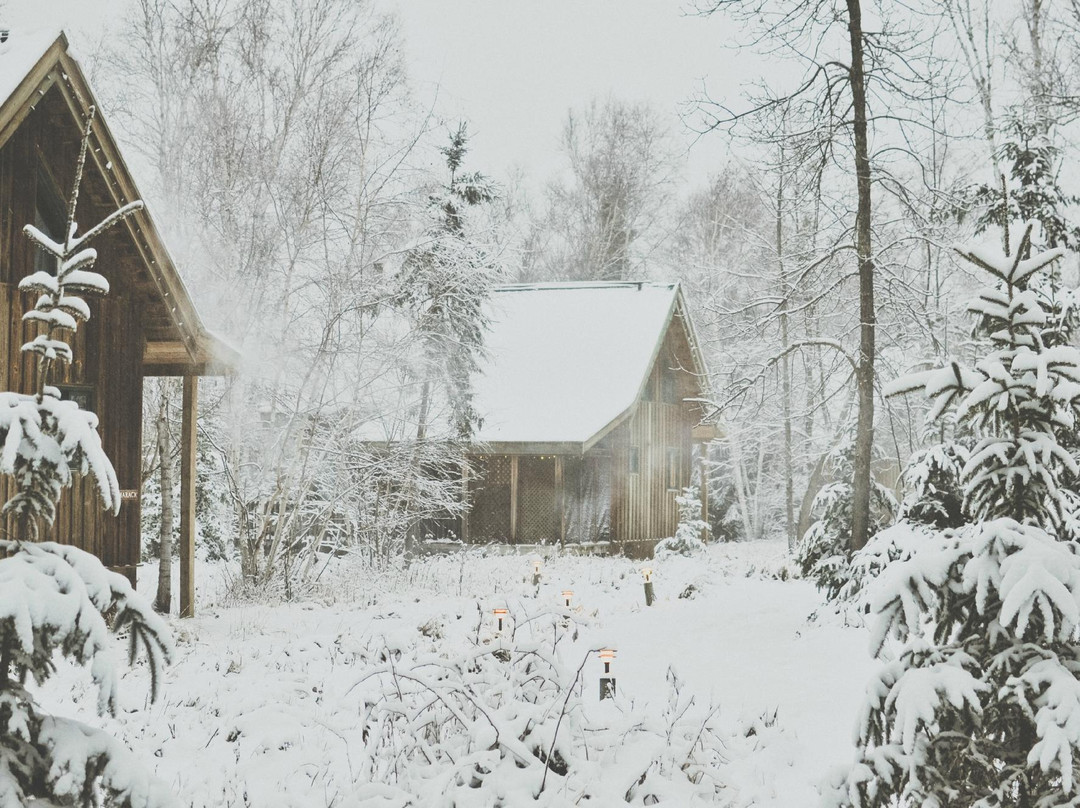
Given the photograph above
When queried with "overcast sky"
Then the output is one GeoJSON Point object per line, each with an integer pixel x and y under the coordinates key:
{"type": "Point", "coordinates": [512, 68]}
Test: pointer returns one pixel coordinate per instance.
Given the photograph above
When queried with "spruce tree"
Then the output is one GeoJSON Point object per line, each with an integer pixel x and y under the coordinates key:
{"type": "Point", "coordinates": [55, 599]}
{"type": "Point", "coordinates": [444, 282]}
{"type": "Point", "coordinates": [824, 554]}
{"type": "Point", "coordinates": [980, 705]}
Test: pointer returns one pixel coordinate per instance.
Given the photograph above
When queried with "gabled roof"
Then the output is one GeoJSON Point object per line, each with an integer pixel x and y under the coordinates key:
{"type": "Point", "coordinates": [568, 362]}
{"type": "Point", "coordinates": [31, 65]}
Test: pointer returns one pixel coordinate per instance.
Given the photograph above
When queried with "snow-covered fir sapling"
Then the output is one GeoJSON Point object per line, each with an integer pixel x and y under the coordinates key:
{"type": "Point", "coordinates": [55, 598]}
{"type": "Point", "coordinates": [690, 530]}
{"type": "Point", "coordinates": [824, 553]}
{"type": "Point", "coordinates": [980, 705]}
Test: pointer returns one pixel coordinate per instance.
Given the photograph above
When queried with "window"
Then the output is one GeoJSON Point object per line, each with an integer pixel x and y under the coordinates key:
{"type": "Point", "coordinates": [669, 386]}
{"type": "Point", "coordinates": [81, 394]}
{"type": "Point", "coordinates": [672, 469]}
{"type": "Point", "coordinates": [49, 216]}
{"type": "Point", "coordinates": [635, 460]}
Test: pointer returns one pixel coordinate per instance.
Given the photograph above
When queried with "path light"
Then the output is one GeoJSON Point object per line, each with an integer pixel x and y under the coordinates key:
{"type": "Point", "coordinates": [537, 563]}
{"type": "Point", "coordinates": [646, 573]}
{"type": "Point", "coordinates": [607, 681]}
{"type": "Point", "coordinates": [499, 615]}
{"type": "Point", "coordinates": [567, 595]}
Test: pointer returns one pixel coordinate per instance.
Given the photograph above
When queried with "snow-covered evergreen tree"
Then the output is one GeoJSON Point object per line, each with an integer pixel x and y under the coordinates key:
{"type": "Point", "coordinates": [690, 530]}
{"type": "Point", "coordinates": [980, 705]}
{"type": "Point", "coordinates": [1033, 193]}
{"type": "Point", "coordinates": [444, 282]}
{"type": "Point", "coordinates": [56, 599]}
{"type": "Point", "coordinates": [824, 553]}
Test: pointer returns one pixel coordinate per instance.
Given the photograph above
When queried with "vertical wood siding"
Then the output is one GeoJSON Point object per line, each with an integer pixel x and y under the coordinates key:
{"type": "Point", "coordinates": [108, 349]}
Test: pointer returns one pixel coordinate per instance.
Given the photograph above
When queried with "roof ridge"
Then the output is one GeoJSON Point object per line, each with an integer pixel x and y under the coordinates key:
{"type": "Point", "coordinates": [574, 285]}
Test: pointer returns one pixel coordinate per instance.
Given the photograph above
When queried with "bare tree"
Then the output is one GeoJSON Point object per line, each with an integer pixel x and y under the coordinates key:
{"type": "Point", "coordinates": [833, 103]}
{"type": "Point", "coordinates": [603, 221]}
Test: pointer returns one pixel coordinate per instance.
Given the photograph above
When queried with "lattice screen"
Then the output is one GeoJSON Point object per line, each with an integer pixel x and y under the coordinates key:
{"type": "Point", "coordinates": [489, 519]}
{"type": "Point", "coordinates": [536, 517]}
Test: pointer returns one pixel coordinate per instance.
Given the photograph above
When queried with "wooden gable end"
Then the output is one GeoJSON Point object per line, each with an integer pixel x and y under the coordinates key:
{"type": "Point", "coordinates": [37, 163]}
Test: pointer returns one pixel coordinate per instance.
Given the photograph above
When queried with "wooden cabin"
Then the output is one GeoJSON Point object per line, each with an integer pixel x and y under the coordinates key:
{"type": "Point", "coordinates": [146, 326]}
{"type": "Point", "coordinates": [590, 398]}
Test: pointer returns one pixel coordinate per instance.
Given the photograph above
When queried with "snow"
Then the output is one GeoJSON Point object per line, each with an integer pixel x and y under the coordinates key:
{"type": "Point", "coordinates": [564, 360]}
{"type": "Point", "coordinates": [264, 704]}
{"type": "Point", "coordinates": [18, 56]}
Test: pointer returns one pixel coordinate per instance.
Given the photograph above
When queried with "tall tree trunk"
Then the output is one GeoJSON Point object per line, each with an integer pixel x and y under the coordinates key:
{"type": "Point", "coordinates": [741, 485]}
{"type": "Point", "coordinates": [864, 376]}
{"type": "Point", "coordinates": [785, 367]}
{"type": "Point", "coordinates": [163, 602]}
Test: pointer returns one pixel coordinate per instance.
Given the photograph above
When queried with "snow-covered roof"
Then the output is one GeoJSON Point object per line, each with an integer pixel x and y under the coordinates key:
{"type": "Point", "coordinates": [565, 360]}
{"type": "Point", "coordinates": [19, 54]}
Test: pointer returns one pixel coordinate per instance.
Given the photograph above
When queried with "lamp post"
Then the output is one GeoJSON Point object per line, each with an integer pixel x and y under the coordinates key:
{"type": "Point", "coordinates": [607, 681]}
{"type": "Point", "coordinates": [646, 573]}
{"type": "Point", "coordinates": [500, 614]}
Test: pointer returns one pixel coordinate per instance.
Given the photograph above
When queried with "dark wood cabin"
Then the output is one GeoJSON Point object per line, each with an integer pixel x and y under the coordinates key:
{"type": "Point", "coordinates": [591, 410]}
{"type": "Point", "coordinates": [146, 326]}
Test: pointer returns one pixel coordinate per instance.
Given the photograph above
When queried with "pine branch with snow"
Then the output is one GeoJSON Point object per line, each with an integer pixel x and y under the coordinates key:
{"type": "Point", "coordinates": [980, 704]}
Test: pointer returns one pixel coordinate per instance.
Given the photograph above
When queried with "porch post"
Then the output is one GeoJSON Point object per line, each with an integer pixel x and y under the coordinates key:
{"type": "Point", "coordinates": [560, 500]}
{"type": "Point", "coordinates": [187, 495]}
{"type": "Point", "coordinates": [703, 449]}
{"type": "Point", "coordinates": [513, 498]}
{"type": "Point", "coordinates": [465, 500]}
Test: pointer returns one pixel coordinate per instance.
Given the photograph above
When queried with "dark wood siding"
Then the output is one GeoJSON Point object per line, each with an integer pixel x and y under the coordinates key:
{"type": "Point", "coordinates": [108, 350]}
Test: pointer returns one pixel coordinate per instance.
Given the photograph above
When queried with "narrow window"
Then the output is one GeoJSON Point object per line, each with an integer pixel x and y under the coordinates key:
{"type": "Point", "coordinates": [49, 215]}
{"type": "Point", "coordinates": [669, 386]}
{"type": "Point", "coordinates": [672, 469]}
{"type": "Point", "coordinates": [635, 460]}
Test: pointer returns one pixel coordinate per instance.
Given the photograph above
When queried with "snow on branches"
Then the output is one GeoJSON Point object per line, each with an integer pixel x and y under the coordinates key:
{"type": "Point", "coordinates": [508, 721]}
{"type": "Point", "coordinates": [980, 705]}
{"type": "Point", "coordinates": [57, 599]}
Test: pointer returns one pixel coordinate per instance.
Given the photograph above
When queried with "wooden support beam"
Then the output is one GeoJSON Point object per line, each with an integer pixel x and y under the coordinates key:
{"type": "Point", "coordinates": [188, 431]}
{"type": "Point", "coordinates": [703, 449]}
{"type": "Point", "coordinates": [560, 500]}
{"type": "Point", "coordinates": [465, 501]}
{"type": "Point", "coordinates": [513, 498]}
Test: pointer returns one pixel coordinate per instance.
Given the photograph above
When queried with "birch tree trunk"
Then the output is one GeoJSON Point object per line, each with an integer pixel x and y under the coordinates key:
{"type": "Point", "coordinates": [163, 601]}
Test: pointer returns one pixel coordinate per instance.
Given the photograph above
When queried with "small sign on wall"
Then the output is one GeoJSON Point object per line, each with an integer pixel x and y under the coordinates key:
{"type": "Point", "coordinates": [129, 494]}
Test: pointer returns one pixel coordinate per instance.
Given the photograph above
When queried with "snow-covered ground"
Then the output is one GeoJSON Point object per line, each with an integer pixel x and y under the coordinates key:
{"type": "Point", "coordinates": [260, 707]}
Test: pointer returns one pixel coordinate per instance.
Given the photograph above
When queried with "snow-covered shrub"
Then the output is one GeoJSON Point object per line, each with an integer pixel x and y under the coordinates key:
{"type": "Point", "coordinates": [509, 722]}
{"type": "Point", "coordinates": [824, 553]}
{"type": "Point", "coordinates": [980, 704]}
{"type": "Point", "coordinates": [687, 539]}
{"type": "Point", "coordinates": [56, 599]}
